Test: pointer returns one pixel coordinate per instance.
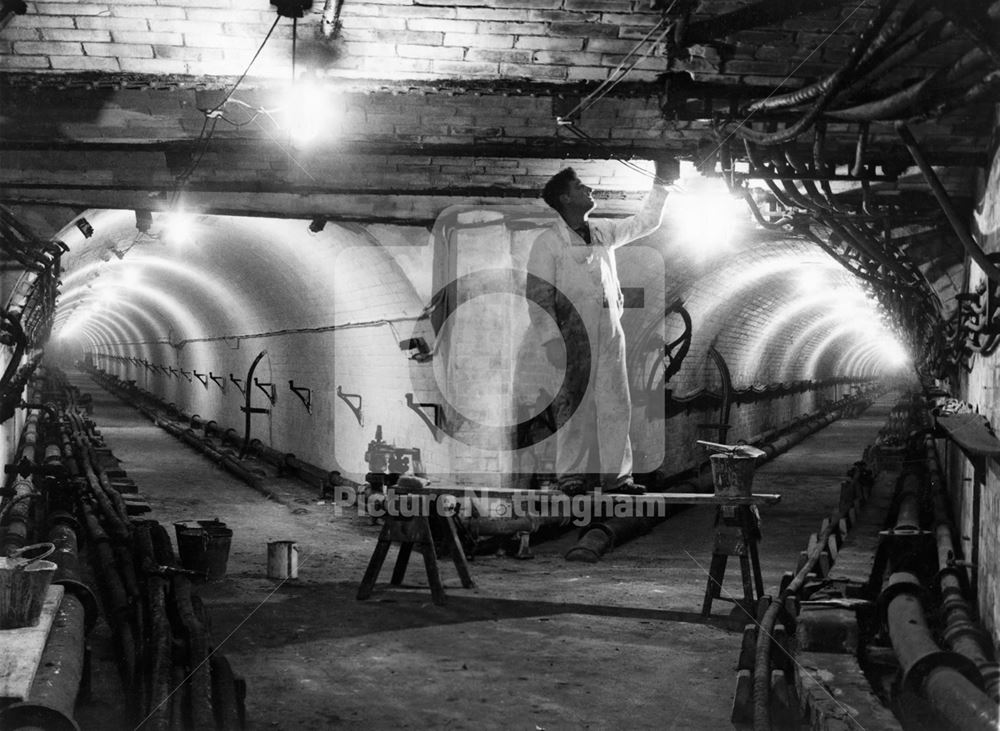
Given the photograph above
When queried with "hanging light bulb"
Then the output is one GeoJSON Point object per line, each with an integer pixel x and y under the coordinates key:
{"type": "Point", "coordinates": [306, 111]}
{"type": "Point", "coordinates": [705, 213]}
{"type": "Point", "coordinates": [180, 227]}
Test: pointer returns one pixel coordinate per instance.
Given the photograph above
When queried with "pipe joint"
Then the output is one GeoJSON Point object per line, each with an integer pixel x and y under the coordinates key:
{"type": "Point", "coordinates": [915, 675]}
{"type": "Point", "coordinates": [899, 583]}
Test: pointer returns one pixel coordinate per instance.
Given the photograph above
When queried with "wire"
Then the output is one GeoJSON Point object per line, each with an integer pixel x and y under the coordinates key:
{"type": "Point", "coordinates": [247, 69]}
{"type": "Point", "coordinates": [213, 115]}
{"type": "Point", "coordinates": [605, 86]}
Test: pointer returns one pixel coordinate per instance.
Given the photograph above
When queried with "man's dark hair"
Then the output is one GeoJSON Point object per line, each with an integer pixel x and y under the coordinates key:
{"type": "Point", "coordinates": [557, 185]}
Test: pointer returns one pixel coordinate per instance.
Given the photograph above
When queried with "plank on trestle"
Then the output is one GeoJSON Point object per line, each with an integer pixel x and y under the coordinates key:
{"type": "Point", "coordinates": [21, 649]}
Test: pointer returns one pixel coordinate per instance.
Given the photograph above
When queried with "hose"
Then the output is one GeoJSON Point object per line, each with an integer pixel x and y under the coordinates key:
{"type": "Point", "coordinates": [872, 38]}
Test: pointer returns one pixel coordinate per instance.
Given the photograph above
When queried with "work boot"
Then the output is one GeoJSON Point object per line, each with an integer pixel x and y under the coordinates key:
{"type": "Point", "coordinates": [628, 487]}
{"type": "Point", "coordinates": [572, 486]}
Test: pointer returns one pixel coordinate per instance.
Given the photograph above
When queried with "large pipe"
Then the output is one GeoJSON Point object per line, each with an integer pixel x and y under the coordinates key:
{"type": "Point", "coordinates": [598, 538]}
{"type": "Point", "coordinates": [939, 676]}
{"type": "Point", "coordinates": [960, 633]}
{"type": "Point", "coordinates": [51, 701]}
{"type": "Point", "coordinates": [944, 200]}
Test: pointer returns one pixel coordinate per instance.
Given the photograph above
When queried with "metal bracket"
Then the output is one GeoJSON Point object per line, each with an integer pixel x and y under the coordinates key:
{"type": "Point", "coordinates": [186, 374]}
{"type": "Point", "coordinates": [173, 371]}
{"type": "Point", "coordinates": [307, 399]}
{"type": "Point", "coordinates": [437, 425]}
{"type": "Point", "coordinates": [267, 389]}
{"type": "Point", "coordinates": [219, 380]}
{"type": "Point", "coordinates": [145, 364]}
{"type": "Point", "coordinates": [201, 377]}
{"type": "Point", "coordinates": [355, 408]}
{"type": "Point", "coordinates": [238, 382]}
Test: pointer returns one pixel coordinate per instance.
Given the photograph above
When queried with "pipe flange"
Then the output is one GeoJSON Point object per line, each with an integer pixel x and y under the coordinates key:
{"type": "Point", "coordinates": [86, 597]}
{"type": "Point", "coordinates": [32, 715]}
{"type": "Point", "coordinates": [900, 582]}
{"type": "Point", "coordinates": [953, 571]}
{"type": "Point", "coordinates": [65, 518]}
{"type": "Point", "coordinates": [918, 672]}
{"type": "Point", "coordinates": [955, 631]}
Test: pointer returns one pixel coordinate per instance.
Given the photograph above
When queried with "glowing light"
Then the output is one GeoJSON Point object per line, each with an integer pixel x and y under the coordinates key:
{"type": "Point", "coordinates": [180, 227]}
{"type": "Point", "coordinates": [704, 213]}
{"type": "Point", "coordinates": [893, 352]}
{"type": "Point", "coordinates": [811, 280]}
{"type": "Point", "coordinates": [306, 111]}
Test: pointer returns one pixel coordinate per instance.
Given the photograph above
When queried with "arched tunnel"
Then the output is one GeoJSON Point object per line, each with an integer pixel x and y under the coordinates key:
{"type": "Point", "coordinates": [306, 281]}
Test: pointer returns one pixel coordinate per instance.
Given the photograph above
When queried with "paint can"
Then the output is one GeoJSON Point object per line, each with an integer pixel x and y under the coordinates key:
{"type": "Point", "coordinates": [282, 560]}
{"type": "Point", "coordinates": [732, 475]}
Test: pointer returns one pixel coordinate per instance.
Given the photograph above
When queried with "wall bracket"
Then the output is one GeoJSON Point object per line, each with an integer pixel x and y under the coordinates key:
{"type": "Point", "coordinates": [219, 380]}
{"type": "Point", "coordinates": [307, 399]}
{"type": "Point", "coordinates": [436, 425]}
{"type": "Point", "coordinates": [268, 390]}
{"type": "Point", "coordinates": [238, 382]}
{"type": "Point", "coordinates": [355, 408]}
{"type": "Point", "coordinates": [203, 377]}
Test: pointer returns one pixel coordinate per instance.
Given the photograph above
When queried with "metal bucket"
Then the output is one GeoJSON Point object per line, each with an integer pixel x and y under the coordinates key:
{"type": "Point", "coordinates": [24, 581]}
{"type": "Point", "coordinates": [203, 547]}
{"type": "Point", "coordinates": [732, 475]}
{"type": "Point", "coordinates": [282, 560]}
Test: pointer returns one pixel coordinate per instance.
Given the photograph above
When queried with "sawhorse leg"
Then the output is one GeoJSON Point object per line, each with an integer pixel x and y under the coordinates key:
{"type": "Point", "coordinates": [375, 563]}
{"type": "Point", "coordinates": [409, 533]}
{"type": "Point", "coordinates": [736, 534]}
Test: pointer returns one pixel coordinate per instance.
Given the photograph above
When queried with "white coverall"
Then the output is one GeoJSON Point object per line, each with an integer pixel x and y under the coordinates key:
{"type": "Point", "coordinates": [588, 277]}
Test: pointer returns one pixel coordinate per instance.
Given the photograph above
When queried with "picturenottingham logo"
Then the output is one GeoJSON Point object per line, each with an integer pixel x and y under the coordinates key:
{"type": "Point", "coordinates": [578, 510]}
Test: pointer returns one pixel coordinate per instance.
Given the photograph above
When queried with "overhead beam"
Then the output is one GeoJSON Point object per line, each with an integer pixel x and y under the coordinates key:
{"type": "Point", "coordinates": [380, 206]}
{"type": "Point", "coordinates": [759, 14]}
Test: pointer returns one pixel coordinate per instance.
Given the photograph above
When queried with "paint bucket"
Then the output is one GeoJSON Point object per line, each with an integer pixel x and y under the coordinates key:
{"type": "Point", "coordinates": [282, 560]}
{"type": "Point", "coordinates": [24, 582]}
{"type": "Point", "coordinates": [203, 546]}
{"type": "Point", "coordinates": [732, 475]}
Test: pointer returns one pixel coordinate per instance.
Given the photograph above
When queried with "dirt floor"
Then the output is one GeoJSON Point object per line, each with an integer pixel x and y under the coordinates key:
{"type": "Point", "coordinates": [537, 644]}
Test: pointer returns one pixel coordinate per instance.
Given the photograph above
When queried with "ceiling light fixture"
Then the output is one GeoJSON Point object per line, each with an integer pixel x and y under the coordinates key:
{"type": "Point", "coordinates": [85, 228]}
{"type": "Point", "coordinates": [143, 220]}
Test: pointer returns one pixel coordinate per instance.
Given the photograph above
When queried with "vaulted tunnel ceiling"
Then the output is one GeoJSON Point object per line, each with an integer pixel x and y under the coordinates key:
{"type": "Point", "coordinates": [119, 108]}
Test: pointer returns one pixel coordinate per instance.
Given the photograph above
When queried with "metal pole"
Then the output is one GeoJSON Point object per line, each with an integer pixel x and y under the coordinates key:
{"type": "Point", "coordinates": [943, 199]}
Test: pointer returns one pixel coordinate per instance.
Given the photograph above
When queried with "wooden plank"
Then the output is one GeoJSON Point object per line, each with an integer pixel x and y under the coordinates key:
{"type": "Point", "coordinates": [689, 498]}
{"type": "Point", "coordinates": [21, 649]}
{"type": "Point", "coordinates": [972, 433]}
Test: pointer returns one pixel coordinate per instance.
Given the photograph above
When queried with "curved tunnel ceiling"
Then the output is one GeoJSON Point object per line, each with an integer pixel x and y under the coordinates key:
{"type": "Point", "coordinates": [237, 276]}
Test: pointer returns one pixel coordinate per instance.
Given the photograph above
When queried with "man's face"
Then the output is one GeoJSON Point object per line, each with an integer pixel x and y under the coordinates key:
{"type": "Point", "coordinates": [577, 197]}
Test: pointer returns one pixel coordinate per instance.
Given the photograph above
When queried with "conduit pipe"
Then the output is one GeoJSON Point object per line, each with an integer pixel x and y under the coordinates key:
{"type": "Point", "coordinates": [17, 509]}
{"type": "Point", "coordinates": [762, 656]}
{"type": "Point", "coordinates": [309, 472]}
{"type": "Point", "coordinates": [960, 632]}
{"type": "Point", "coordinates": [872, 39]}
{"type": "Point", "coordinates": [971, 247]}
{"type": "Point", "coordinates": [598, 538]}
{"type": "Point", "coordinates": [51, 701]}
{"type": "Point", "coordinates": [946, 679]}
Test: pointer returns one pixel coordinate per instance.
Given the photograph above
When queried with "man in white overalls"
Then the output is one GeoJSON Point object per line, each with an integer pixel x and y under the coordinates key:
{"type": "Point", "coordinates": [572, 267]}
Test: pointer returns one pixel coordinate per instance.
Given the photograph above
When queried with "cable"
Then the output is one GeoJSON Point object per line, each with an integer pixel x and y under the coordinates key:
{"type": "Point", "coordinates": [214, 115]}
{"type": "Point", "coordinates": [605, 86]}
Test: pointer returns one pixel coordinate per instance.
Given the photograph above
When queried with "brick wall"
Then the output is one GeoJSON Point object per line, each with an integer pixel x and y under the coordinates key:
{"type": "Point", "coordinates": [557, 40]}
{"type": "Point", "coordinates": [981, 389]}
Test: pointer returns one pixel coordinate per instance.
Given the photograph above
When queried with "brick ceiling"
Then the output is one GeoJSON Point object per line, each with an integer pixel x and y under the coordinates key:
{"type": "Point", "coordinates": [128, 104]}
